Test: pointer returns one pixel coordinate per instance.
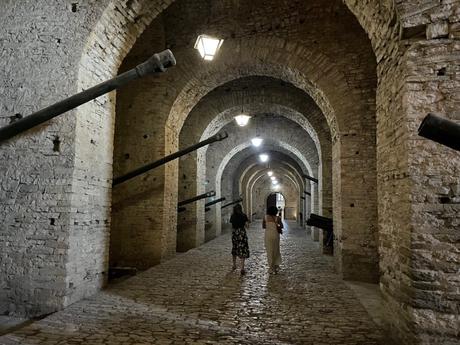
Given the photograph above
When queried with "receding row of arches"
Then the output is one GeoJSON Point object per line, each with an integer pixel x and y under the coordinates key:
{"type": "Point", "coordinates": [316, 108]}
{"type": "Point", "coordinates": [334, 89]}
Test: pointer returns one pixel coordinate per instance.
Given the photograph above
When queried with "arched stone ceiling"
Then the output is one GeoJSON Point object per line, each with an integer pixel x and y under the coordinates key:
{"type": "Point", "coordinates": [243, 151]}
{"type": "Point", "coordinates": [251, 167]}
{"type": "Point", "coordinates": [375, 17]}
{"type": "Point", "coordinates": [262, 188]}
{"type": "Point", "coordinates": [284, 177]}
{"type": "Point", "coordinates": [254, 95]}
{"type": "Point", "coordinates": [278, 168]}
{"type": "Point", "coordinates": [306, 69]}
{"type": "Point", "coordinates": [307, 63]}
{"type": "Point", "coordinates": [234, 160]}
{"type": "Point", "coordinates": [271, 129]}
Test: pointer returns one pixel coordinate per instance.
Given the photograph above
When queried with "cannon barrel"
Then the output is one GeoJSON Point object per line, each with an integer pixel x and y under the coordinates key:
{"type": "Point", "coordinates": [443, 131]}
{"type": "Point", "coordinates": [160, 162]}
{"type": "Point", "coordinates": [307, 193]}
{"type": "Point", "coordinates": [156, 64]}
{"type": "Point", "coordinates": [320, 222]}
{"type": "Point", "coordinates": [325, 224]}
{"type": "Point", "coordinates": [214, 202]}
{"type": "Point", "coordinates": [196, 198]}
{"type": "Point", "coordinates": [232, 203]}
{"type": "Point", "coordinates": [308, 177]}
{"type": "Point", "coordinates": [302, 197]}
{"type": "Point", "coordinates": [181, 209]}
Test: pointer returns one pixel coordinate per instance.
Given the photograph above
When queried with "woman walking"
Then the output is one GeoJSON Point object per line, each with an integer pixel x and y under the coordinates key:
{"type": "Point", "coordinates": [240, 247]}
{"type": "Point", "coordinates": [273, 228]}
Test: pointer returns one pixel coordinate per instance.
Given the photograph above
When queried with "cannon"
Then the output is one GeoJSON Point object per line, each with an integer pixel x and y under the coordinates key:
{"type": "Point", "coordinates": [308, 177]}
{"type": "Point", "coordinates": [307, 193]}
{"type": "Point", "coordinates": [162, 161]}
{"type": "Point", "coordinates": [181, 204]}
{"type": "Point", "coordinates": [158, 63]}
{"type": "Point", "coordinates": [232, 203]}
{"type": "Point", "coordinates": [319, 221]}
{"type": "Point", "coordinates": [443, 131]}
{"type": "Point", "coordinates": [207, 208]}
{"type": "Point", "coordinates": [325, 224]}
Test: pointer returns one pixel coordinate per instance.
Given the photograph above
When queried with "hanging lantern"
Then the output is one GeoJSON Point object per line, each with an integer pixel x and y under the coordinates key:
{"type": "Point", "coordinates": [256, 142]}
{"type": "Point", "coordinates": [242, 120]}
{"type": "Point", "coordinates": [263, 157]}
{"type": "Point", "coordinates": [208, 46]}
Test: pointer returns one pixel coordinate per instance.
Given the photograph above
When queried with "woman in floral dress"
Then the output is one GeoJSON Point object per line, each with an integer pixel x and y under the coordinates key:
{"type": "Point", "coordinates": [240, 247]}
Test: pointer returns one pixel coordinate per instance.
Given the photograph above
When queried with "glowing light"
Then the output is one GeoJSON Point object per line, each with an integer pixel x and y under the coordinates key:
{"type": "Point", "coordinates": [242, 120]}
{"type": "Point", "coordinates": [208, 46]}
{"type": "Point", "coordinates": [270, 173]}
{"type": "Point", "coordinates": [263, 157]}
{"type": "Point", "coordinates": [273, 178]}
{"type": "Point", "coordinates": [275, 182]}
{"type": "Point", "coordinates": [257, 141]}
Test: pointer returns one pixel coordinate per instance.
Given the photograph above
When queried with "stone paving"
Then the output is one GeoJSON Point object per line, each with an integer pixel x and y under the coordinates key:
{"type": "Point", "coordinates": [195, 298]}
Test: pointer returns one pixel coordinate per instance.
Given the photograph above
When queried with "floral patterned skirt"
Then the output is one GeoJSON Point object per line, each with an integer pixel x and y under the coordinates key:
{"type": "Point", "coordinates": [240, 245]}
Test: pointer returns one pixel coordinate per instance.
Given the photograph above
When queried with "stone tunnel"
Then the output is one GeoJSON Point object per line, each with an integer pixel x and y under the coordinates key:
{"type": "Point", "coordinates": [334, 90]}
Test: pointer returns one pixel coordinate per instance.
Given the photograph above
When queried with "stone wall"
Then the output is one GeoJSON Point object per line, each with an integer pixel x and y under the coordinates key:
{"type": "Point", "coordinates": [40, 58]}
{"type": "Point", "coordinates": [413, 174]}
{"type": "Point", "coordinates": [136, 237]}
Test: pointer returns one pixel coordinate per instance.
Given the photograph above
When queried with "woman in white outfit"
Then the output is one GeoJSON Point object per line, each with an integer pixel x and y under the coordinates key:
{"type": "Point", "coordinates": [273, 228]}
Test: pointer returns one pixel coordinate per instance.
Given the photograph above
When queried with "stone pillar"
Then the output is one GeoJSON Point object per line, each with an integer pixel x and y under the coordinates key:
{"type": "Point", "coordinates": [144, 213]}
{"type": "Point", "coordinates": [190, 223]}
{"type": "Point", "coordinates": [419, 193]}
{"type": "Point", "coordinates": [355, 209]}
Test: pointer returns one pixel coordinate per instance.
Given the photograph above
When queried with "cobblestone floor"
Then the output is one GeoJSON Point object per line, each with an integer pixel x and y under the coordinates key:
{"type": "Point", "coordinates": [196, 299]}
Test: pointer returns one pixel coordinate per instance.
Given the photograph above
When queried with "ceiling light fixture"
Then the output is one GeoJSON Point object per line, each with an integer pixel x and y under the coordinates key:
{"type": "Point", "coordinates": [208, 46]}
{"type": "Point", "coordinates": [263, 157]}
{"type": "Point", "coordinates": [256, 142]}
{"type": "Point", "coordinates": [242, 120]}
{"type": "Point", "coordinates": [270, 173]}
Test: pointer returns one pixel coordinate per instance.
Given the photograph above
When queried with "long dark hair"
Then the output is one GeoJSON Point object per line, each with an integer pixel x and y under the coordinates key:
{"type": "Point", "coordinates": [237, 209]}
{"type": "Point", "coordinates": [272, 211]}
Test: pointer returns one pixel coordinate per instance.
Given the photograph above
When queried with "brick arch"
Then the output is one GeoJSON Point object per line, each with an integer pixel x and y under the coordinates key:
{"type": "Point", "coordinates": [123, 21]}
{"type": "Point", "coordinates": [254, 177]}
{"type": "Point", "coordinates": [255, 109]}
{"type": "Point", "coordinates": [304, 67]}
{"type": "Point", "coordinates": [288, 188]}
{"type": "Point", "coordinates": [101, 57]}
{"type": "Point", "coordinates": [248, 169]}
{"type": "Point", "coordinates": [282, 146]}
{"type": "Point", "coordinates": [191, 168]}
{"type": "Point", "coordinates": [260, 95]}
